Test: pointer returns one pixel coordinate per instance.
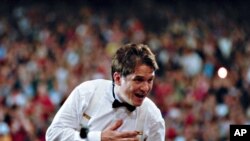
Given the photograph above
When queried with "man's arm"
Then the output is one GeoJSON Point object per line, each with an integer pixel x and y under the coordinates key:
{"type": "Point", "coordinates": [157, 131]}
{"type": "Point", "coordinates": [66, 123]}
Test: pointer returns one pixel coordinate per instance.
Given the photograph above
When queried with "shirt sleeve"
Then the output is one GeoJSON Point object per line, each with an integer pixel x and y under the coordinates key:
{"type": "Point", "coordinates": [157, 131]}
{"type": "Point", "coordinates": [94, 136]}
{"type": "Point", "coordinates": [154, 125]}
{"type": "Point", "coordinates": [66, 123]}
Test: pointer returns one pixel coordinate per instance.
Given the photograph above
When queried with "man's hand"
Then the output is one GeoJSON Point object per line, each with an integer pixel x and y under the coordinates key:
{"type": "Point", "coordinates": [110, 133]}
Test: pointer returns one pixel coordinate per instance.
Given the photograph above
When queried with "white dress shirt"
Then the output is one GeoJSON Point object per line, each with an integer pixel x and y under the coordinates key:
{"type": "Point", "coordinates": [67, 122]}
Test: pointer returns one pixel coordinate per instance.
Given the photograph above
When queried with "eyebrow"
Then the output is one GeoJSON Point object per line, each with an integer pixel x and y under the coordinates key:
{"type": "Point", "coordinates": [141, 77]}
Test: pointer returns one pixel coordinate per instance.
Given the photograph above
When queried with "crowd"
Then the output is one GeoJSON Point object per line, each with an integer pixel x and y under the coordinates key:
{"type": "Point", "coordinates": [46, 50]}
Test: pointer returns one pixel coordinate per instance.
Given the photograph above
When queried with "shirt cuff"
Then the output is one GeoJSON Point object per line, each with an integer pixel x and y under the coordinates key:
{"type": "Point", "coordinates": [94, 136]}
{"type": "Point", "coordinates": [77, 137]}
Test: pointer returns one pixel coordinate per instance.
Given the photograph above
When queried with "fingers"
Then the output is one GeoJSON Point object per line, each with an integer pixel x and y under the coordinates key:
{"type": "Point", "coordinates": [119, 136]}
{"type": "Point", "coordinates": [129, 139]}
{"type": "Point", "coordinates": [110, 133]}
{"type": "Point", "coordinates": [115, 125]}
{"type": "Point", "coordinates": [127, 134]}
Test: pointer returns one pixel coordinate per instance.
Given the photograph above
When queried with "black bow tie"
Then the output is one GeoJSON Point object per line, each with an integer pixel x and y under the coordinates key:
{"type": "Point", "coordinates": [117, 104]}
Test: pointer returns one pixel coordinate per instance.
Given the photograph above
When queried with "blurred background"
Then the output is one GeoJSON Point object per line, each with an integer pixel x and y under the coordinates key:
{"type": "Point", "coordinates": [47, 47]}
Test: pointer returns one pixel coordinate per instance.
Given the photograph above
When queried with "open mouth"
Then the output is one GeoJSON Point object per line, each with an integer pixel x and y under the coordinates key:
{"type": "Point", "coordinates": [139, 95]}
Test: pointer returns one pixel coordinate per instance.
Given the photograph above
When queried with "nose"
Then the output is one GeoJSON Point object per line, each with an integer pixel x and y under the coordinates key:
{"type": "Point", "coordinates": [146, 87]}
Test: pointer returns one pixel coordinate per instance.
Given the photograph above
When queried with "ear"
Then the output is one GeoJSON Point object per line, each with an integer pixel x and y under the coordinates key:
{"type": "Point", "coordinates": [117, 78]}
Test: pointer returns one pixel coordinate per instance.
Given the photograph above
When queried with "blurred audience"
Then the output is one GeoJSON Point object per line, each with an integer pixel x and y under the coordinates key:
{"type": "Point", "coordinates": [46, 50]}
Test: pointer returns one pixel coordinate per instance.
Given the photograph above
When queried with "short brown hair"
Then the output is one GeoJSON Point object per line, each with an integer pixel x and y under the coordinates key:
{"type": "Point", "coordinates": [128, 56]}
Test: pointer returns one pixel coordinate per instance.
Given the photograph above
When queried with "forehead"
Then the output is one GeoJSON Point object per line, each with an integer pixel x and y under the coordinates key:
{"type": "Point", "coordinates": [143, 71]}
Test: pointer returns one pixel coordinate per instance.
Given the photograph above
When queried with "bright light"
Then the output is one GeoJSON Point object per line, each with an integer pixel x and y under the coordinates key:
{"type": "Point", "coordinates": [222, 72]}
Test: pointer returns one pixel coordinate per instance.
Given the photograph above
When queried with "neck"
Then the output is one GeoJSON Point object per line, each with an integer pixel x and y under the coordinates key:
{"type": "Point", "coordinates": [120, 96]}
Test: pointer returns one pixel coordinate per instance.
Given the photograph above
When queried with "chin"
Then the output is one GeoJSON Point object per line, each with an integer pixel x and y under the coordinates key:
{"type": "Point", "coordinates": [137, 104]}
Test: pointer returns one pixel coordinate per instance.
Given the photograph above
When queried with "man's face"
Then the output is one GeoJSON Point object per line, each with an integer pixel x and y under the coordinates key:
{"type": "Point", "coordinates": [136, 86]}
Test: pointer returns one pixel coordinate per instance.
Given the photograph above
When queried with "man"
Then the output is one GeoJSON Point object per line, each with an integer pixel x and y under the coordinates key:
{"type": "Point", "coordinates": [116, 110]}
